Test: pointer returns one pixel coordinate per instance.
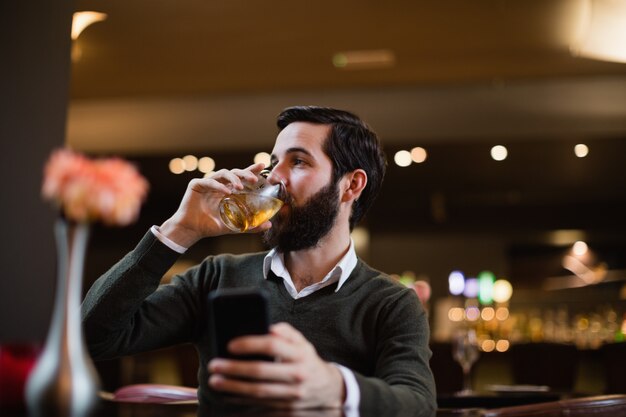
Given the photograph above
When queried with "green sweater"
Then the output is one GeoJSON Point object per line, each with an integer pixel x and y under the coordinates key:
{"type": "Point", "coordinates": [372, 325]}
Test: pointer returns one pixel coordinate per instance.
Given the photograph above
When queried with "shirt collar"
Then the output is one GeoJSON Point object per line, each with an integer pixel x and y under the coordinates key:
{"type": "Point", "coordinates": [275, 261]}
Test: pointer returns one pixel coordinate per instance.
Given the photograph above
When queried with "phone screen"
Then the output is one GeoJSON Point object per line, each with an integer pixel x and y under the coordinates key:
{"type": "Point", "coordinates": [237, 312]}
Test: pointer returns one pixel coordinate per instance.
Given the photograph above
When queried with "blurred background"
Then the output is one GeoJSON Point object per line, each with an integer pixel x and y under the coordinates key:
{"type": "Point", "coordinates": [504, 124]}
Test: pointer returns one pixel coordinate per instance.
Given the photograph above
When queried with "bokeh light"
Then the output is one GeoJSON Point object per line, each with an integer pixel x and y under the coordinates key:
{"type": "Point", "coordinates": [456, 282]}
{"type": "Point", "coordinates": [499, 153]}
{"type": "Point", "coordinates": [191, 162]}
{"type": "Point", "coordinates": [206, 164]}
{"type": "Point", "coordinates": [502, 313]}
{"type": "Point", "coordinates": [263, 157]}
{"type": "Point", "coordinates": [488, 345]}
{"type": "Point", "coordinates": [472, 313]}
{"type": "Point", "coordinates": [502, 345]}
{"type": "Point", "coordinates": [471, 288]}
{"type": "Point", "coordinates": [418, 155]}
{"type": "Point", "coordinates": [485, 286]}
{"type": "Point", "coordinates": [402, 158]}
{"type": "Point", "coordinates": [502, 291]}
{"type": "Point", "coordinates": [456, 314]}
{"type": "Point", "coordinates": [581, 150]}
{"type": "Point", "coordinates": [177, 166]}
{"type": "Point", "coordinates": [361, 238]}
{"type": "Point", "coordinates": [488, 314]}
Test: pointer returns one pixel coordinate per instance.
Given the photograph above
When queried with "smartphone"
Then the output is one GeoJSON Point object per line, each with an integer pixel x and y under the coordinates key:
{"type": "Point", "coordinates": [235, 312]}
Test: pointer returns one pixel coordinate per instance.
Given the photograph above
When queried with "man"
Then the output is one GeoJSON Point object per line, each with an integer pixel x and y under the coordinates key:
{"type": "Point", "coordinates": [347, 335]}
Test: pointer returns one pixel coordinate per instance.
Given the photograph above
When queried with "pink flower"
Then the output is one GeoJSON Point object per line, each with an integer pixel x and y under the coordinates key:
{"type": "Point", "coordinates": [110, 190]}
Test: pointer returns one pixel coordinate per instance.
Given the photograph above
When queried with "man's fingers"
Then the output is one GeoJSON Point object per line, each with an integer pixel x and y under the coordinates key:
{"type": "Point", "coordinates": [202, 185]}
{"type": "Point", "coordinates": [235, 177]}
{"type": "Point", "coordinates": [288, 332]}
{"type": "Point", "coordinates": [255, 389]}
{"type": "Point", "coordinates": [256, 168]}
{"type": "Point", "coordinates": [300, 378]}
{"type": "Point", "coordinates": [256, 370]}
{"type": "Point", "coordinates": [281, 348]}
{"type": "Point", "coordinates": [284, 343]}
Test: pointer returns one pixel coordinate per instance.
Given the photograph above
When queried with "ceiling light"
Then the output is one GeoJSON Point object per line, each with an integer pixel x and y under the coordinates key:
{"type": "Point", "coordinates": [80, 21]}
{"type": "Point", "coordinates": [264, 158]}
{"type": "Point", "coordinates": [402, 158]}
{"type": "Point", "coordinates": [206, 164]}
{"type": "Point", "coordinates": [581, 150]}
{"type": "Point", "coordinates": [499, 153]}
{"type": "Point", "coordinates": [418, 155]}
{"type": "Point", "coordinates": [603, 32]}
{"type": "Point", "coordinates": [177, 166]}
{"type": "Point", "coordinates": [365, 59]}
{"type": "Point", "coordinates": [191, 162]}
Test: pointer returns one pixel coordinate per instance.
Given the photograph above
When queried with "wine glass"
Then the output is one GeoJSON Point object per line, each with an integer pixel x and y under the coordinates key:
{"type": "Point", "coordinates": [465, 352]}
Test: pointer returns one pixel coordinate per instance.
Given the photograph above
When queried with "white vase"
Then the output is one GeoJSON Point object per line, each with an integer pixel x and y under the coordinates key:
{"type": "Point", "coordinates": [64, 382]}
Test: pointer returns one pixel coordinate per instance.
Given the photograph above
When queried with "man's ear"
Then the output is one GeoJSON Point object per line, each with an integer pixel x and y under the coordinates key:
{"type": "Point", "coordinates": [353, 184]}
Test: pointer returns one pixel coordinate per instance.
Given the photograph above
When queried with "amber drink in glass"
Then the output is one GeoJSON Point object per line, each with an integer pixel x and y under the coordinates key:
{"type": "Point", "coordinates": [254, 205]}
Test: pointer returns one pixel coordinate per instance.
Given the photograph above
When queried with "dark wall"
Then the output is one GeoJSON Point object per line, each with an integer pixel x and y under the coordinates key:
{"type": "Point", "coordinates": [34, 79]}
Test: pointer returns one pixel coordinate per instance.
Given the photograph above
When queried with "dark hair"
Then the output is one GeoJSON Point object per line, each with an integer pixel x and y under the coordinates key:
{"type": "Point", "coordinates": [351, 145]}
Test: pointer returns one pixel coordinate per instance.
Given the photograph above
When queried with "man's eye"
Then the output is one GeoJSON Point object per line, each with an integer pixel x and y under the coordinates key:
{"type": "Point", "coordinates": [298, 161]}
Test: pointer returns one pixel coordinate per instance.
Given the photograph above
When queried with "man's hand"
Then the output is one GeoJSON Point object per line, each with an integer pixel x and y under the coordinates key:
{"type": "Point", "coordinates": [198, 214]}
{"type": "Point", "coordinates": [298, 379]}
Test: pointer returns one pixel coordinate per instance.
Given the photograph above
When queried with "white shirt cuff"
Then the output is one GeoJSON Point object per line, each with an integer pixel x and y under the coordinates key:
{"type": "Point", "coordinates": [353, 393]}
{"type": "Point", "coordinates": [166, 241]}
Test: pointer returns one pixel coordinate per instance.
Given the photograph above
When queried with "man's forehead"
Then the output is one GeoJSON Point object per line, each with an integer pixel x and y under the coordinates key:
{"type": "Point", "coordinates": [301, 136]}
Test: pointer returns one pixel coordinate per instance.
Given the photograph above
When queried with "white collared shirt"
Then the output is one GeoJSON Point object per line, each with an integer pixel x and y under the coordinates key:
{"type": "Point", "coordinates": [275, 262]}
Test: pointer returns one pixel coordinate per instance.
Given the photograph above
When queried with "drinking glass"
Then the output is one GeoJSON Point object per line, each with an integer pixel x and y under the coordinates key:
{"type": "Point", "coordinates": [465, 352]}
{"type": "Point", "coordinates": [255, 204]}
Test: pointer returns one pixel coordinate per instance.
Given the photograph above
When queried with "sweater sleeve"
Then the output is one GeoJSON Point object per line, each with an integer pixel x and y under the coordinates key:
{"type": "Point", "coordinates": [126, 311]}
{"type": "Point", "coordinates": [403, 381]}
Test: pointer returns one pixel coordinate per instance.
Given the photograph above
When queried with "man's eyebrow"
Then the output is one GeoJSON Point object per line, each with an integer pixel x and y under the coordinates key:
{"type": "Point", "coordinates": [298, 150]}
{"type": "Point", "coordinates": [295, 149]}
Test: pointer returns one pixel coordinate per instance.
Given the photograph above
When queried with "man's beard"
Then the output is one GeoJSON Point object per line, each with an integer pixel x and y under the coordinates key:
{"type": "Point", "coordinates": [303, 227]}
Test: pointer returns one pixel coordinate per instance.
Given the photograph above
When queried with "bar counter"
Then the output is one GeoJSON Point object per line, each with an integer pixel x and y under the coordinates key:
{"type": "Point", "coordinates": [597, 406]}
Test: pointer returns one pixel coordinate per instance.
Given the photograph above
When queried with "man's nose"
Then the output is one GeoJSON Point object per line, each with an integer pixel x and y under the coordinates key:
{"type": "Point", "coordinates": [275, 176]}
